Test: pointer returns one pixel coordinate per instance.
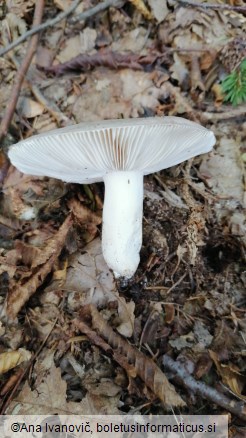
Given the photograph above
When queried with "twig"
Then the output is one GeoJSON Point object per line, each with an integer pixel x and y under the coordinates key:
{"type": "Point", "coordinates": [38, 27]}
{"type": "Point", "coordinates": [176, 284]}
{"type": "Point", "coordinates": [233, 112]}
{"type": "Point", "coordinates": [203, 390]}
{"type": "Point", "coordinates": [50, 106]}
{"type": "Point", "coordinates": [20, 75]}
{"type": "Point", "coordinates": [98, 8]}
{"type": "Point", "coordinates": [210, 6]}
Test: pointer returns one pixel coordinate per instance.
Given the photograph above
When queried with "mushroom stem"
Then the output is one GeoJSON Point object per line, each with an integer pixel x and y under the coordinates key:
{"type": "Point", "coordinates": [122, 221]}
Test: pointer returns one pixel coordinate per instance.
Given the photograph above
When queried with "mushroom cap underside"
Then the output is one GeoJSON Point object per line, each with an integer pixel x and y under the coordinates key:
{"type": "Point", "coordinates": [85, 152]}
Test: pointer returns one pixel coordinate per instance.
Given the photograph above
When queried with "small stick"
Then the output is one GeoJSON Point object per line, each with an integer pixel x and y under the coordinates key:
{"type": "Point", "coordinates": [233, 112]}
{"type": "Point", "coordinates": [49, 105]}
{"type": "Point", "coordinates": [177, 283]}
{"type": "Point", "coordinates": [98, 8]}
{"type": "Point", "coordinates": [210, 6]}
{"type": "Point", "coordinates": [38, 27]}
{"type": "Point", "coordinates": [207, 392]}
{"type": "Point", "coordinates": [20, 75]}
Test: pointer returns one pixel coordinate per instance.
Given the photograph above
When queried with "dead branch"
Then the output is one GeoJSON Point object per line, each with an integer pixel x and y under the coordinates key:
{"type": "Point", "coordinates": [221, 116]}
{"type": "Point", "coordinates": [20, 75]}
{"type": "Point", "coordinates": [93, 11]}
{"type": "Point", "coordinates": [210, 6]}
{"type": "Point", "coordinates": [133, 361]}
{"type": "Point", "coordinates": [203, 390]}
{"type": "Point", "coordinates": [39, 27]}
{"type": "Point", "coordinates": [21, 294]}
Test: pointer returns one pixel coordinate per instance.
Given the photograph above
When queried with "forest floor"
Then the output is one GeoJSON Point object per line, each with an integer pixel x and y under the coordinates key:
{"type": "Point", "coordinates": [68, 328]}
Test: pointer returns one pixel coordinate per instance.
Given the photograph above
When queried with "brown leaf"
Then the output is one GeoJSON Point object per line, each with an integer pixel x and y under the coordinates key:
{"type": "Point", "coordinates": [83, 214]}
{"type": "Point", "coordinates": [169, 313]}
{"type": "Point", "coordinates": [4, 165]}
{"type": "Point", "coordinates": [218, 95]}
{"type": "Point", "coordinates": [151, 326]}
{"type": "Point", "coordinates": [203, 365]}
{"type": "Point", "coordinates": [22, 292]}
{"type": "Point", "coordinates": [145, 367]}
{"type": "Point", "coordinates": [49, 398]}
{"type": "Point", "coordinates": [108, 59]}
{"type": "Point", "coordinates": [230, 376]}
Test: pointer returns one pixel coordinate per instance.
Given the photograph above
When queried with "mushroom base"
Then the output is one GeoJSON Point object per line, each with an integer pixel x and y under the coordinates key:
{"type": "Point", "coordinates": [122, 221]}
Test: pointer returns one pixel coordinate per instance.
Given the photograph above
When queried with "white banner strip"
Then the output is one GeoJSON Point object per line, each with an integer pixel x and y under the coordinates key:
{"type": "Point", "coordinates": [124, 426]}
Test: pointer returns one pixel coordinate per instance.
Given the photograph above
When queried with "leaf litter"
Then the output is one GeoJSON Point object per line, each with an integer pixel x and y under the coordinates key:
{"type": "Point", "coordinates": [186, 304]}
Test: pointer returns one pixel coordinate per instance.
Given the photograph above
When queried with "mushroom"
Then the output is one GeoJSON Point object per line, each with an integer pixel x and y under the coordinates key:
{"type": "Point", "coordinates": [120, 153]}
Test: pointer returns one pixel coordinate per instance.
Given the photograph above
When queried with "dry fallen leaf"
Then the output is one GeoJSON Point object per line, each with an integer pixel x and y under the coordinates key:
{"type": "Point", "coordinates": [19, 7]}
{"type": "Point", "coordinates": [126, 317]}
{"type": "Point", "coordinates": [48, 398]}
{"type": "Point", "coordinates": [89, 280]}
{"type": "Point", "coordinates": [29, 108]}
{"type": "Point", "coordinates": [159, 9]}
{"type": "Point", "coordinates": [10, 359]}
{"type": "Point", "coordinates": [140, 6]}
{"type": "Point", "coordinates": [222, 170]}
{"type": "Point", "coordinates": [129, 357]}
{"type": "Point", "coordinates": [85, 218]}
{"type": "Point", "coordinates": [49, 394]}
{"type": "Point", "coordinates": [89, 275]}
{"type": "Point", "coordinates": [25, 289]}
{"type": "Point", "coordinates": [230, 376]}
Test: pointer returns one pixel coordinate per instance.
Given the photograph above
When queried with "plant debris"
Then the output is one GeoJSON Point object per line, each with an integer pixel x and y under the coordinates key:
{"type": "Point", "coordinates": [66, 326]}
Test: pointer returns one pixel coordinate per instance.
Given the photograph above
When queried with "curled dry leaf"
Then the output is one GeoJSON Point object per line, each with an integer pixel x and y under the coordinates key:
{"type": "Point", "coordinates": [87, 218]}
{"type": "Point", "coordinates": [10, 359]}
{"type": "Point", "coordinates": [23, 291]}
{"type": "Point", "coordinates": [112, 60]}
{"type": "Point", "coordinates": [230, 376]}
{"type": "Point", "coordinates": [144, 367]}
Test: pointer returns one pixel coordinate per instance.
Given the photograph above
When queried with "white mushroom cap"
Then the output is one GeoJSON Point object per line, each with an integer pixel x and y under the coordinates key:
{"type": "Point", "coordinates": [84, 153]}
{"type": "Point", "coordinates": [119, 152]}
